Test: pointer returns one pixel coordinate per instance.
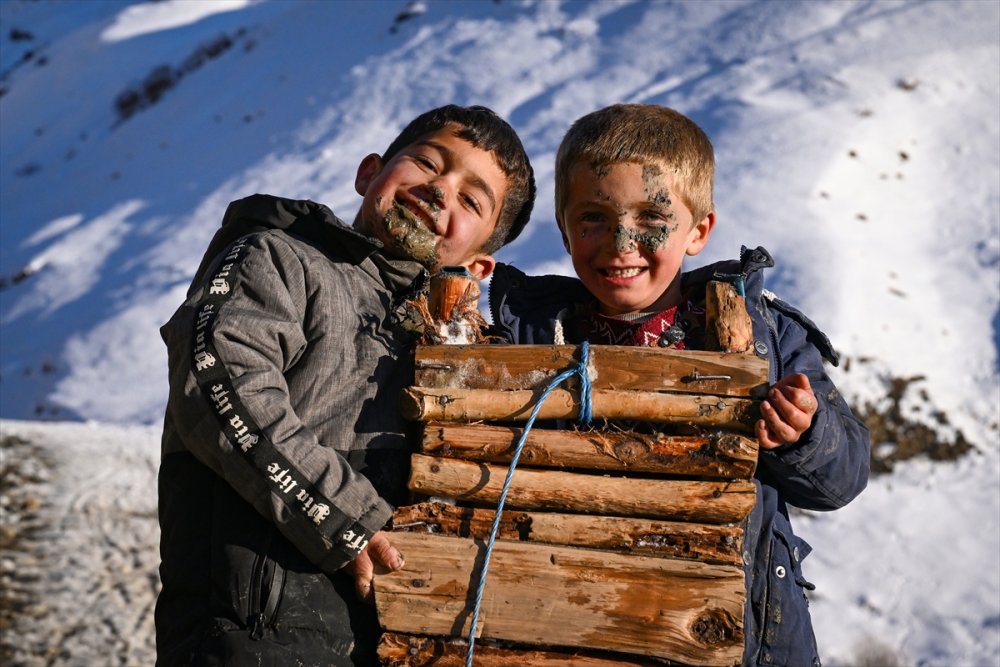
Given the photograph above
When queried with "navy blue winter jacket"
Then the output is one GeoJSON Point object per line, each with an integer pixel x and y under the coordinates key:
{"type": "Point", "coordinates": [825, 470]}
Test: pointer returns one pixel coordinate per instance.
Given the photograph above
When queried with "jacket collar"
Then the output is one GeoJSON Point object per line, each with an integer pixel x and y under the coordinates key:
{"type": "Point", "coordinates": [316, 224]}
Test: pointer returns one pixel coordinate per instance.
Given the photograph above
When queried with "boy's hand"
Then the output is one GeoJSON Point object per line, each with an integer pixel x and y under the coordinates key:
{"type": "Point", "coordinates": [379, 556]}
{"type": "Point", "coordinates": [787, 412]}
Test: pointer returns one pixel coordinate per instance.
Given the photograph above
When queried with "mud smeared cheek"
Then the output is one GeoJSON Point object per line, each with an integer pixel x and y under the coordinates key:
{"type": "Point", "coordinates": [626, 239]}
{"type": "Point", "coordinates": [410, 237]}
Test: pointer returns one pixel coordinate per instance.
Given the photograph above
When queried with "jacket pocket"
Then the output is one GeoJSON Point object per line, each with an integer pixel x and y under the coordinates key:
{"type": "Point", "coordinates": [267, 583]}
{"type": "Point", "coordinates": [786, 633]}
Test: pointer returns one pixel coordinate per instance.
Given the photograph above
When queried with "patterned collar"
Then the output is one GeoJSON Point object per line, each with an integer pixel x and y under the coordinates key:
{"type": "Point", "coordinates": [677, 328]}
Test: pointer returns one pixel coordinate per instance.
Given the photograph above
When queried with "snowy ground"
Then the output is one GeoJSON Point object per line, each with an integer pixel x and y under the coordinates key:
{"type": "Point", "coordinates": [83, 571]}
{"type": "Point", "coordinates": [80, 544]}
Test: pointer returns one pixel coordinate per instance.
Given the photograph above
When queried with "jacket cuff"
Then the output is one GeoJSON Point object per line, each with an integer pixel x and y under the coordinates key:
{"type": "Point", "coordinates": [351, 540]}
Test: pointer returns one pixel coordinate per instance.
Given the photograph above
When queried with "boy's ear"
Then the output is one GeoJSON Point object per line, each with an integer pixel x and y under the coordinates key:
{"type": "Point", "coordinates": [481, 266]}
{"type": "Point", "coordinates": [367, 171]}
{"type": "Point", "coordinates": [698, 236]}
{"type": "Point", "coordinates": [562, 232]}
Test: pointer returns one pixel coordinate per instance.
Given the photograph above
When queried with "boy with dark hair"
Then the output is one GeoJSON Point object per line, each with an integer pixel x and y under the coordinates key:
{"type": "Point", "coordinates": [633, 197]}
{"type": "Point", "coordinates": [283, 446]}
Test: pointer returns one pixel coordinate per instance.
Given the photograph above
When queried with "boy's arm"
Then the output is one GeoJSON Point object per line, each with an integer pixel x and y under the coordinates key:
{"type": "Point", "coordinates": [829, 464]}
{"type": "Point", "coordinates": [231, 408]}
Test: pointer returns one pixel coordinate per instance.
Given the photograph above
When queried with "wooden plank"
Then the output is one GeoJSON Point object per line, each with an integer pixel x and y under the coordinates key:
{"type": "Point", "coordinates": [717, 455]}
{"type": "Point", "coordinates": [555, 490]}
{"type": "Point", "coordinates": [727, 323]}
{"type": "Point", "coordinates": [399, 650]}
{"type": "Point", "coordinates": [470, 405]}
{"type": "Point", "coordinates": [548, 595]}
{"type": "Point", "coordinates": [515, 367]}
{"type": "Point", "coordinates": [664, 539]}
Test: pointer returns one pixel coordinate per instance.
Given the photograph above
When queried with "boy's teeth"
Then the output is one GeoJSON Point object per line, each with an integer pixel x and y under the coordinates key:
{"type": "Point", "coordinates": [623, 273]}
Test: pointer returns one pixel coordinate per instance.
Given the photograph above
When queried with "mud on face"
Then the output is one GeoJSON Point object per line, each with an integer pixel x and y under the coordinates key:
{"type": "Point", "coordinates": [651, 239]}
{"type": "Point", "coordinates": [656, 192]}
{"type": "Point", "coordinates": [410, 237]}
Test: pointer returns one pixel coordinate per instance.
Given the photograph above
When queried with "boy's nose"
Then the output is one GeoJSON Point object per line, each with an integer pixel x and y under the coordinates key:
{"type": "Point", "coordinates": [433, 194]}
{"type": "Point", "coordinates": [624, 240]}
{"type": "Point", "coordinates": [436, 199]}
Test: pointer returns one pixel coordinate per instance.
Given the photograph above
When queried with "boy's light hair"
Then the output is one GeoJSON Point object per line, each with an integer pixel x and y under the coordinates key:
{"type": "Point", "coordinates": [637, 133]}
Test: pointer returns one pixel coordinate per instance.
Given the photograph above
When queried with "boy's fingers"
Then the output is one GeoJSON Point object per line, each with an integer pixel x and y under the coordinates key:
{"type": "Point", "coordinates": [802, 398]}
{"type": "Point", "coordinates": [801, 380]}
{"type": "Point", "coordinates": [764, 437]}
{"type": "Point", "coordinates": [363, 571]}
{"type": "Point", "coordinates": [383, 553]}
{"type": "Point", "coordinates": [778, 428]}
{"type": "Point", "coordinates": [779, 400]}
{"type": "Point", "coordinates": [795, 406]}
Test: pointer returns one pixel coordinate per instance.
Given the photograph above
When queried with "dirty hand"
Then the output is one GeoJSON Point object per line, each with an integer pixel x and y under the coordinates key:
{"type": "Point", "coordinates": [379, 556]}
{"type": "Point", "coordinates": [787, 412]}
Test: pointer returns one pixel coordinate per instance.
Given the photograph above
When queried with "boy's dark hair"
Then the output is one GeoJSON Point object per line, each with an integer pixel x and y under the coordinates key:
{"type": "Point", "coordinates": [486, 130]}
{"type": "Point", "coordinates": [636, 133]}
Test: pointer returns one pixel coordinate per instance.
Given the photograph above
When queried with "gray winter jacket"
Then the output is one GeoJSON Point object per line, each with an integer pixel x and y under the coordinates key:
{"type": "Point", "coordinates": [283, 445]}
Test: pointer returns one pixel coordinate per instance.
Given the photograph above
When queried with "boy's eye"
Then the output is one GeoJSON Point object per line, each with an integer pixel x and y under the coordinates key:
{"type": "Point", "coordinates": [591, 216]}
{"type": "Point", "coordinates": [425, 161]}
{"type": "Point", "coordinates": [472, 203]}
{"type": "Point", "coordinates": [656, 214]}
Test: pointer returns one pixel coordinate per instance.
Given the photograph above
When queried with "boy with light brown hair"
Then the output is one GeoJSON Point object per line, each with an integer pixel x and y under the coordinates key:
{"type": "Point", "coordinates": [633, 198]}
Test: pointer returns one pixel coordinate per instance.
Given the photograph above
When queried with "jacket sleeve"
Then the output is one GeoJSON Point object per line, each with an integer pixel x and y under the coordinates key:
{"type": "Point", "coordinates": [229, 347]}
{"type": "Point", "coordinates": [829, 465]}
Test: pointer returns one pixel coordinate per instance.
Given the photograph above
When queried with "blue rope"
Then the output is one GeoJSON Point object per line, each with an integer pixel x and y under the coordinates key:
{"type": "Point", "coordinates": [737, 279]}
{"type": "Point", "coordinates": [586, 412]}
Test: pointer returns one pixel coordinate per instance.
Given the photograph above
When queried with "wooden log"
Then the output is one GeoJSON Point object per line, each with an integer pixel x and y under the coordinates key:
{"type": "Point", "coordinates": [453, 290]}
{"type": "Point", "coordinates": [399, 650]}
{"type": "Point", "coordinates": [513, 367]}
{"type": "Point", "coordinates": [548, 595]}
{"type": "Point", "coordinates": [727, 323]}
{"type": "Point", "coordinates": [469, 405]}
{"type": "Point", "coordinates": [721, 544]}
{"type": "Point", "coordinates": [555, 490]}
{"type": "Point", "coordinates": [717, 455]}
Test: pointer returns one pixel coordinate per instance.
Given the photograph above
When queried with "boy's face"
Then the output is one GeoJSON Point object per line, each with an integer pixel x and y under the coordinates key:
{"type": "Point", "coordinates": [436, 201]}
{"type": "Point", "coordinates": [627, 231]}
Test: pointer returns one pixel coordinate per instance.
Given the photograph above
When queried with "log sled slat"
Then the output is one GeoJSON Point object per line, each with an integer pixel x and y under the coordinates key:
{"type": "Point", "coordinates": [709, 501]}
{"type": "Point", "coordinates": [719, 544]}
{"type": "Point", "coordinates": [717, 455]}
{"type": "Point", "coordinates": [400, 650]}
{"type": "Point", "coordinates": [521, 367]}
{"type": "Point", "coordinates": [686, 611]}
{"type": "Point", "coordinates": [472, 405]}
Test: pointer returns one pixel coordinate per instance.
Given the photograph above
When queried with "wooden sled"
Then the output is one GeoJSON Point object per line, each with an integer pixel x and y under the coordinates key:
{"type": "Point", "coordinates": [615, 547]}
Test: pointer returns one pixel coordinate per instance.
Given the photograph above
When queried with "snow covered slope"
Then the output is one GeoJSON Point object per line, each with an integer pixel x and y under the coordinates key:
{"type": "Point", "coordinates": [858, 141]}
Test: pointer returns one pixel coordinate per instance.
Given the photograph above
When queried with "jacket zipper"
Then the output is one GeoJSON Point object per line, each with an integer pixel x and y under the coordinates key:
{"type": "Point", "coordinates": [267, 581]}
{"type": "Point", "coordinates": [255, 615]}
{"type": "Point", "coordinates": [779, 369]}
{"type": "Point", "coordinates": [765, 609]}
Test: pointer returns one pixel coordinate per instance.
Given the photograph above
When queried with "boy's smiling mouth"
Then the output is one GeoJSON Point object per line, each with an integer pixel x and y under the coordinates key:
{"type": "Point", "coordinates": [628, 272]}
{"type": "Point", "coordinates": [420, 210]}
